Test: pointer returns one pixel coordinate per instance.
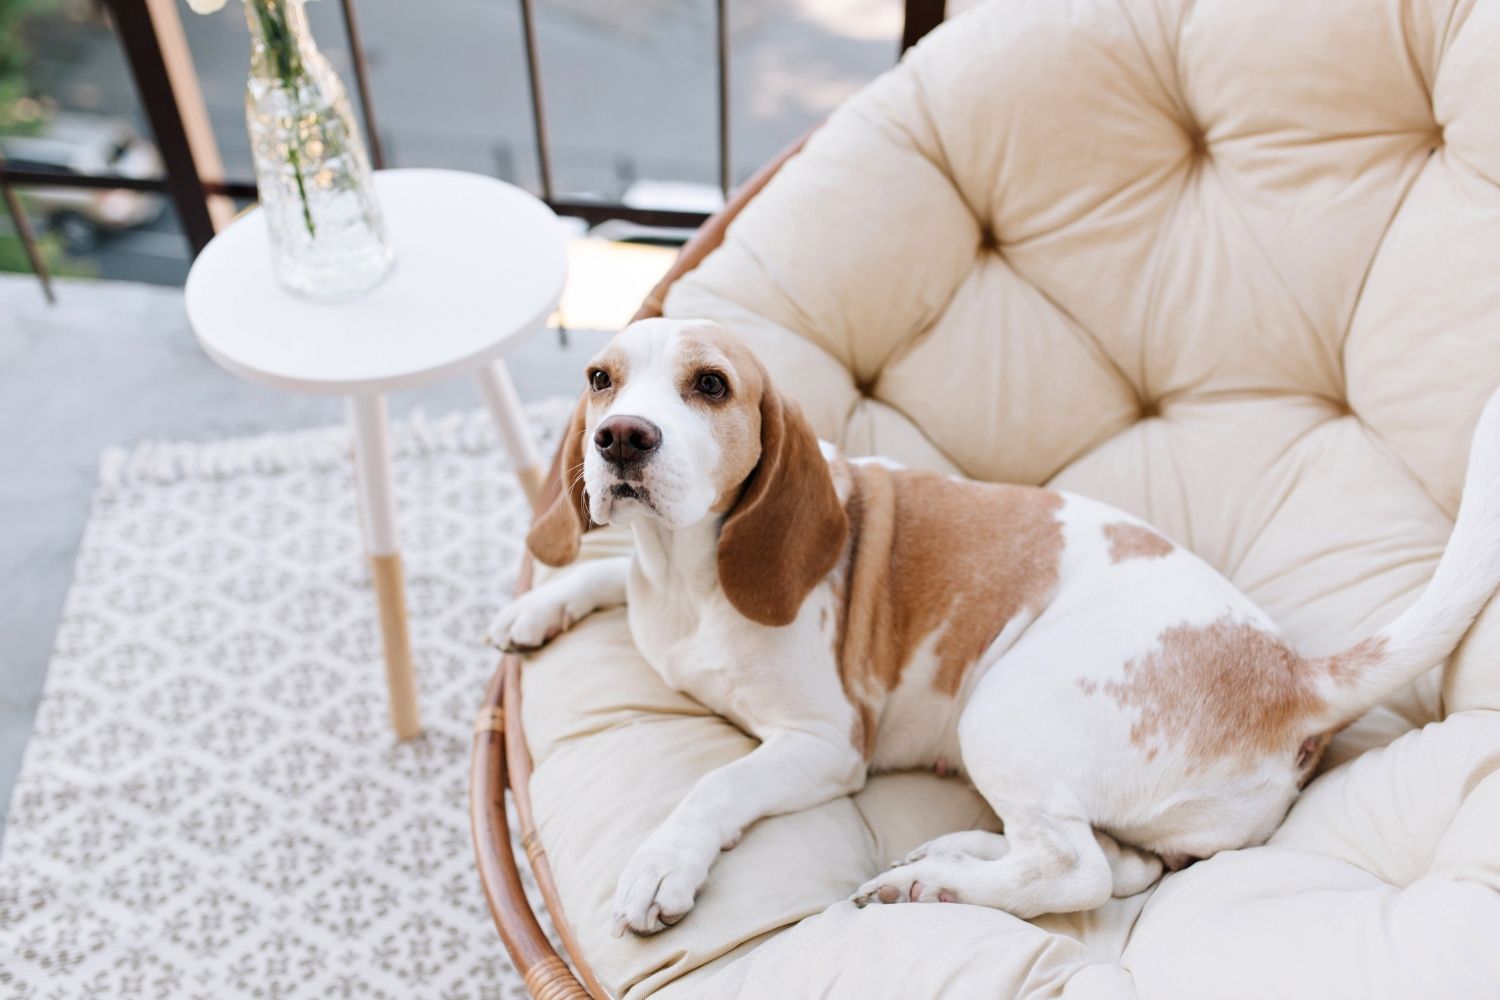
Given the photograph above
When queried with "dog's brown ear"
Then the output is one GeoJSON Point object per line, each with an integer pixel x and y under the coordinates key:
{"type": "Point", "coordinates": [563, 509]}
{"type": "Point", "coordinates": [788, 529]}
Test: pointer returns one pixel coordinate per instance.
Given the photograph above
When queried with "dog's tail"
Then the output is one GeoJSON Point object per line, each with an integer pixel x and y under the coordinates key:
{"type": "Point", "coordinates": [1467, 576]}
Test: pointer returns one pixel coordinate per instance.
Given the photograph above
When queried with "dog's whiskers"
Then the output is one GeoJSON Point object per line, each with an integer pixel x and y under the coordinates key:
{"type": "Point", "coordinates": [583, 502]}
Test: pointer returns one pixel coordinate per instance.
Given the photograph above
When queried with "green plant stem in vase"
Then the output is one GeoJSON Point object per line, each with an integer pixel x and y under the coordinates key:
{"type": "Point", "coordinates": [285, 63]}
{"type": "Point", "coordinates": [317, 195]}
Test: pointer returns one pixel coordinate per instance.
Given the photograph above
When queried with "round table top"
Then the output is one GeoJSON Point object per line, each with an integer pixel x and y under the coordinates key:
{"type": "Point", "coordinates": [479, 263]}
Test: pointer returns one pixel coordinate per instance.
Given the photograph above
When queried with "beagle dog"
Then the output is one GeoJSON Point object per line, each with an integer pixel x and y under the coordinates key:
{"type": "Point", "coordinates": [1118, 703]}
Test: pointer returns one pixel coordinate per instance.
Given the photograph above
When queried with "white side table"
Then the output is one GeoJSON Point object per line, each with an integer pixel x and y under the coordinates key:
{"type": "Point", "coordinates": [479, 265]}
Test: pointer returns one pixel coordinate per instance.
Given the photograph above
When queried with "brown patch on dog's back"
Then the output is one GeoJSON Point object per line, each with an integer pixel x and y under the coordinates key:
{"type": "Point", "coordinates": [929, 556]}
{"type": "Point", "coordinates": [1232, 690]}
{"type": "Point", "coordinates": [1226, 689]}
{"type": "Point", "coordinates": [1135, 541]}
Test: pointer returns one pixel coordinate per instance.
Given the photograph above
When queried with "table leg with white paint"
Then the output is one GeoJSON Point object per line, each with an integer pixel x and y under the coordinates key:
{"type": "Point", "coordinates": [372, 462]}
{"type": "Point", "coordinates": [500, 394]}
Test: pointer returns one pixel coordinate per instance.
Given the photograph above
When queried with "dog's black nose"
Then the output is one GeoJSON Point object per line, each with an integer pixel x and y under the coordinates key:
{"type": "Point", "coordinates": [623, 440]}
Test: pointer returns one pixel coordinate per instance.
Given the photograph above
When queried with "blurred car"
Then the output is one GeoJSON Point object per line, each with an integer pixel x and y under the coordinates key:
{"type": "Point", "coordinates": [77, 143]}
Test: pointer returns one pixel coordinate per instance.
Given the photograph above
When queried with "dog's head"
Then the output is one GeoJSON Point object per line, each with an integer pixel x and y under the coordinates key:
{"type": "Point", "coordinates": [679, 423]}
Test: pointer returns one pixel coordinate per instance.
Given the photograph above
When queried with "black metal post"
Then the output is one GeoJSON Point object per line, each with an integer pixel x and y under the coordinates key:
{"type": "Point", "coordinates": [921, 17]}
{"type": "Point", "coordinates": [538, 118]}
{"type": "Point", "coordinates": [148, 65]}
{"type": "Point", "coordinates": [28, 238]}
{"type": "Point", "coordinates": [362, 84]}
{"type": "Point", "coordinates": [726, 167]}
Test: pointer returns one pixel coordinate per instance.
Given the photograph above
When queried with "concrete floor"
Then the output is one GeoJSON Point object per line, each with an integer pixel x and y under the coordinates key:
{"type": "Point", "coordinates": [112, 364]}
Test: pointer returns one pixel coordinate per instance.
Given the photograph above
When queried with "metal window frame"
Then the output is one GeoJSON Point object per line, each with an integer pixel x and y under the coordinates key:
{"type": "Point", "coordinates": [151, 35]}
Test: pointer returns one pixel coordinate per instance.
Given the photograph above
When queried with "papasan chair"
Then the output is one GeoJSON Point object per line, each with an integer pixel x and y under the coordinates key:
{"type": "Point", "coordinates": [1232, 266]}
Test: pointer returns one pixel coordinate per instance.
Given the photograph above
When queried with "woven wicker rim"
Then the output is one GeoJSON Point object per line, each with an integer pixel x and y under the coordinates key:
{"type": "Point", "coordinates": [500, 760]}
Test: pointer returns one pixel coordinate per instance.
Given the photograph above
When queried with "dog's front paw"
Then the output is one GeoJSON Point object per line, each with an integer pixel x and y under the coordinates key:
{"type": "Point", "coordinates": [530, 621]}
{"type": "Point", "coordinates": [661, 882]}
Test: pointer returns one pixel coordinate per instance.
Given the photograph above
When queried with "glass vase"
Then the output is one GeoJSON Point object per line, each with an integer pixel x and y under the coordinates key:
{"type": "Point", "coordinates": [328, 239]}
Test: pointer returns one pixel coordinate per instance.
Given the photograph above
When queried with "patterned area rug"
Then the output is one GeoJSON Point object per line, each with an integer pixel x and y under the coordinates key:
{"type": "Point", "coordinates": [212, 804]}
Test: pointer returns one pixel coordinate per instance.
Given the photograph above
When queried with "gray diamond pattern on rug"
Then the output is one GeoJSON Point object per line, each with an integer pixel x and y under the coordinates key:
{"type": "Point", "coordinates": [212, 804]}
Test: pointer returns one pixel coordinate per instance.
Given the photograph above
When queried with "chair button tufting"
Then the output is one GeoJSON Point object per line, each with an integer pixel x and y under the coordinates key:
{"type": "Point", "coordinates": [1197, 142]}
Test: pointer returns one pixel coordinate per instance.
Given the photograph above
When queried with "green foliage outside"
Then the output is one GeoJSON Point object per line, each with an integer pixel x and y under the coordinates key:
{"type": "Point", "coordinates": [13, 257]}
{"type": "Point", "coordinates": [15, 58]}
{"type": "Point", "coordinates": [15, 91]}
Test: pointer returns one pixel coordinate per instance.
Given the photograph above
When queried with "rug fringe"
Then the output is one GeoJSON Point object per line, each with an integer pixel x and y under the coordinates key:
{"type": "Point", "coordinates": [166, 462]}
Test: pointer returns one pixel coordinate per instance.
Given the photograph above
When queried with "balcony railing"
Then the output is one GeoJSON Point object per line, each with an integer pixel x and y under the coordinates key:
{"type": "Point", "coordinates": [155, 47]}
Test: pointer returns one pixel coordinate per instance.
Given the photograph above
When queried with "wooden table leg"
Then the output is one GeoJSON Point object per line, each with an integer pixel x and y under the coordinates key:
{"type": "Point", "coordinates": [372, 464]}
{"type": "Point", "coordinates": [500, 394]}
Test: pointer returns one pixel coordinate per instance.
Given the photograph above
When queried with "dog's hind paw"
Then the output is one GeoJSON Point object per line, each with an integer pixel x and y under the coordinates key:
{"type": "Point", "coordinates": [903, 885]}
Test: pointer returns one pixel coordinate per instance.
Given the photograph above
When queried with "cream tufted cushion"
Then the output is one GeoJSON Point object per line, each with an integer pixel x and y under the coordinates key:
{"type": "Point", "coordinates": [1232, 266]}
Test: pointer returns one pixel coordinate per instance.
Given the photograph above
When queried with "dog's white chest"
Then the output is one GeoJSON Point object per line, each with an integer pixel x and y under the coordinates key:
{"type": "Point", "coordinates": [689, 664]}
{"type": "Point", "coordinates": [761, 679]}
{"type": "Point", "coordinates": [683, 641]}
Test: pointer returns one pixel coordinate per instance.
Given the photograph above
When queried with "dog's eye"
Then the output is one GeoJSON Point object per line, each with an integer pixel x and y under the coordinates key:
{"type": "Point", "coordinates": [711, 385]}
{"type": "Point", "coordinates": [599, 380]}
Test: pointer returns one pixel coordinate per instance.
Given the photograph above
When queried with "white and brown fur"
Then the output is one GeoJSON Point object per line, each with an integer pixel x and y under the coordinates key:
{"type": "Point", "coordinates": [1115, 700]}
